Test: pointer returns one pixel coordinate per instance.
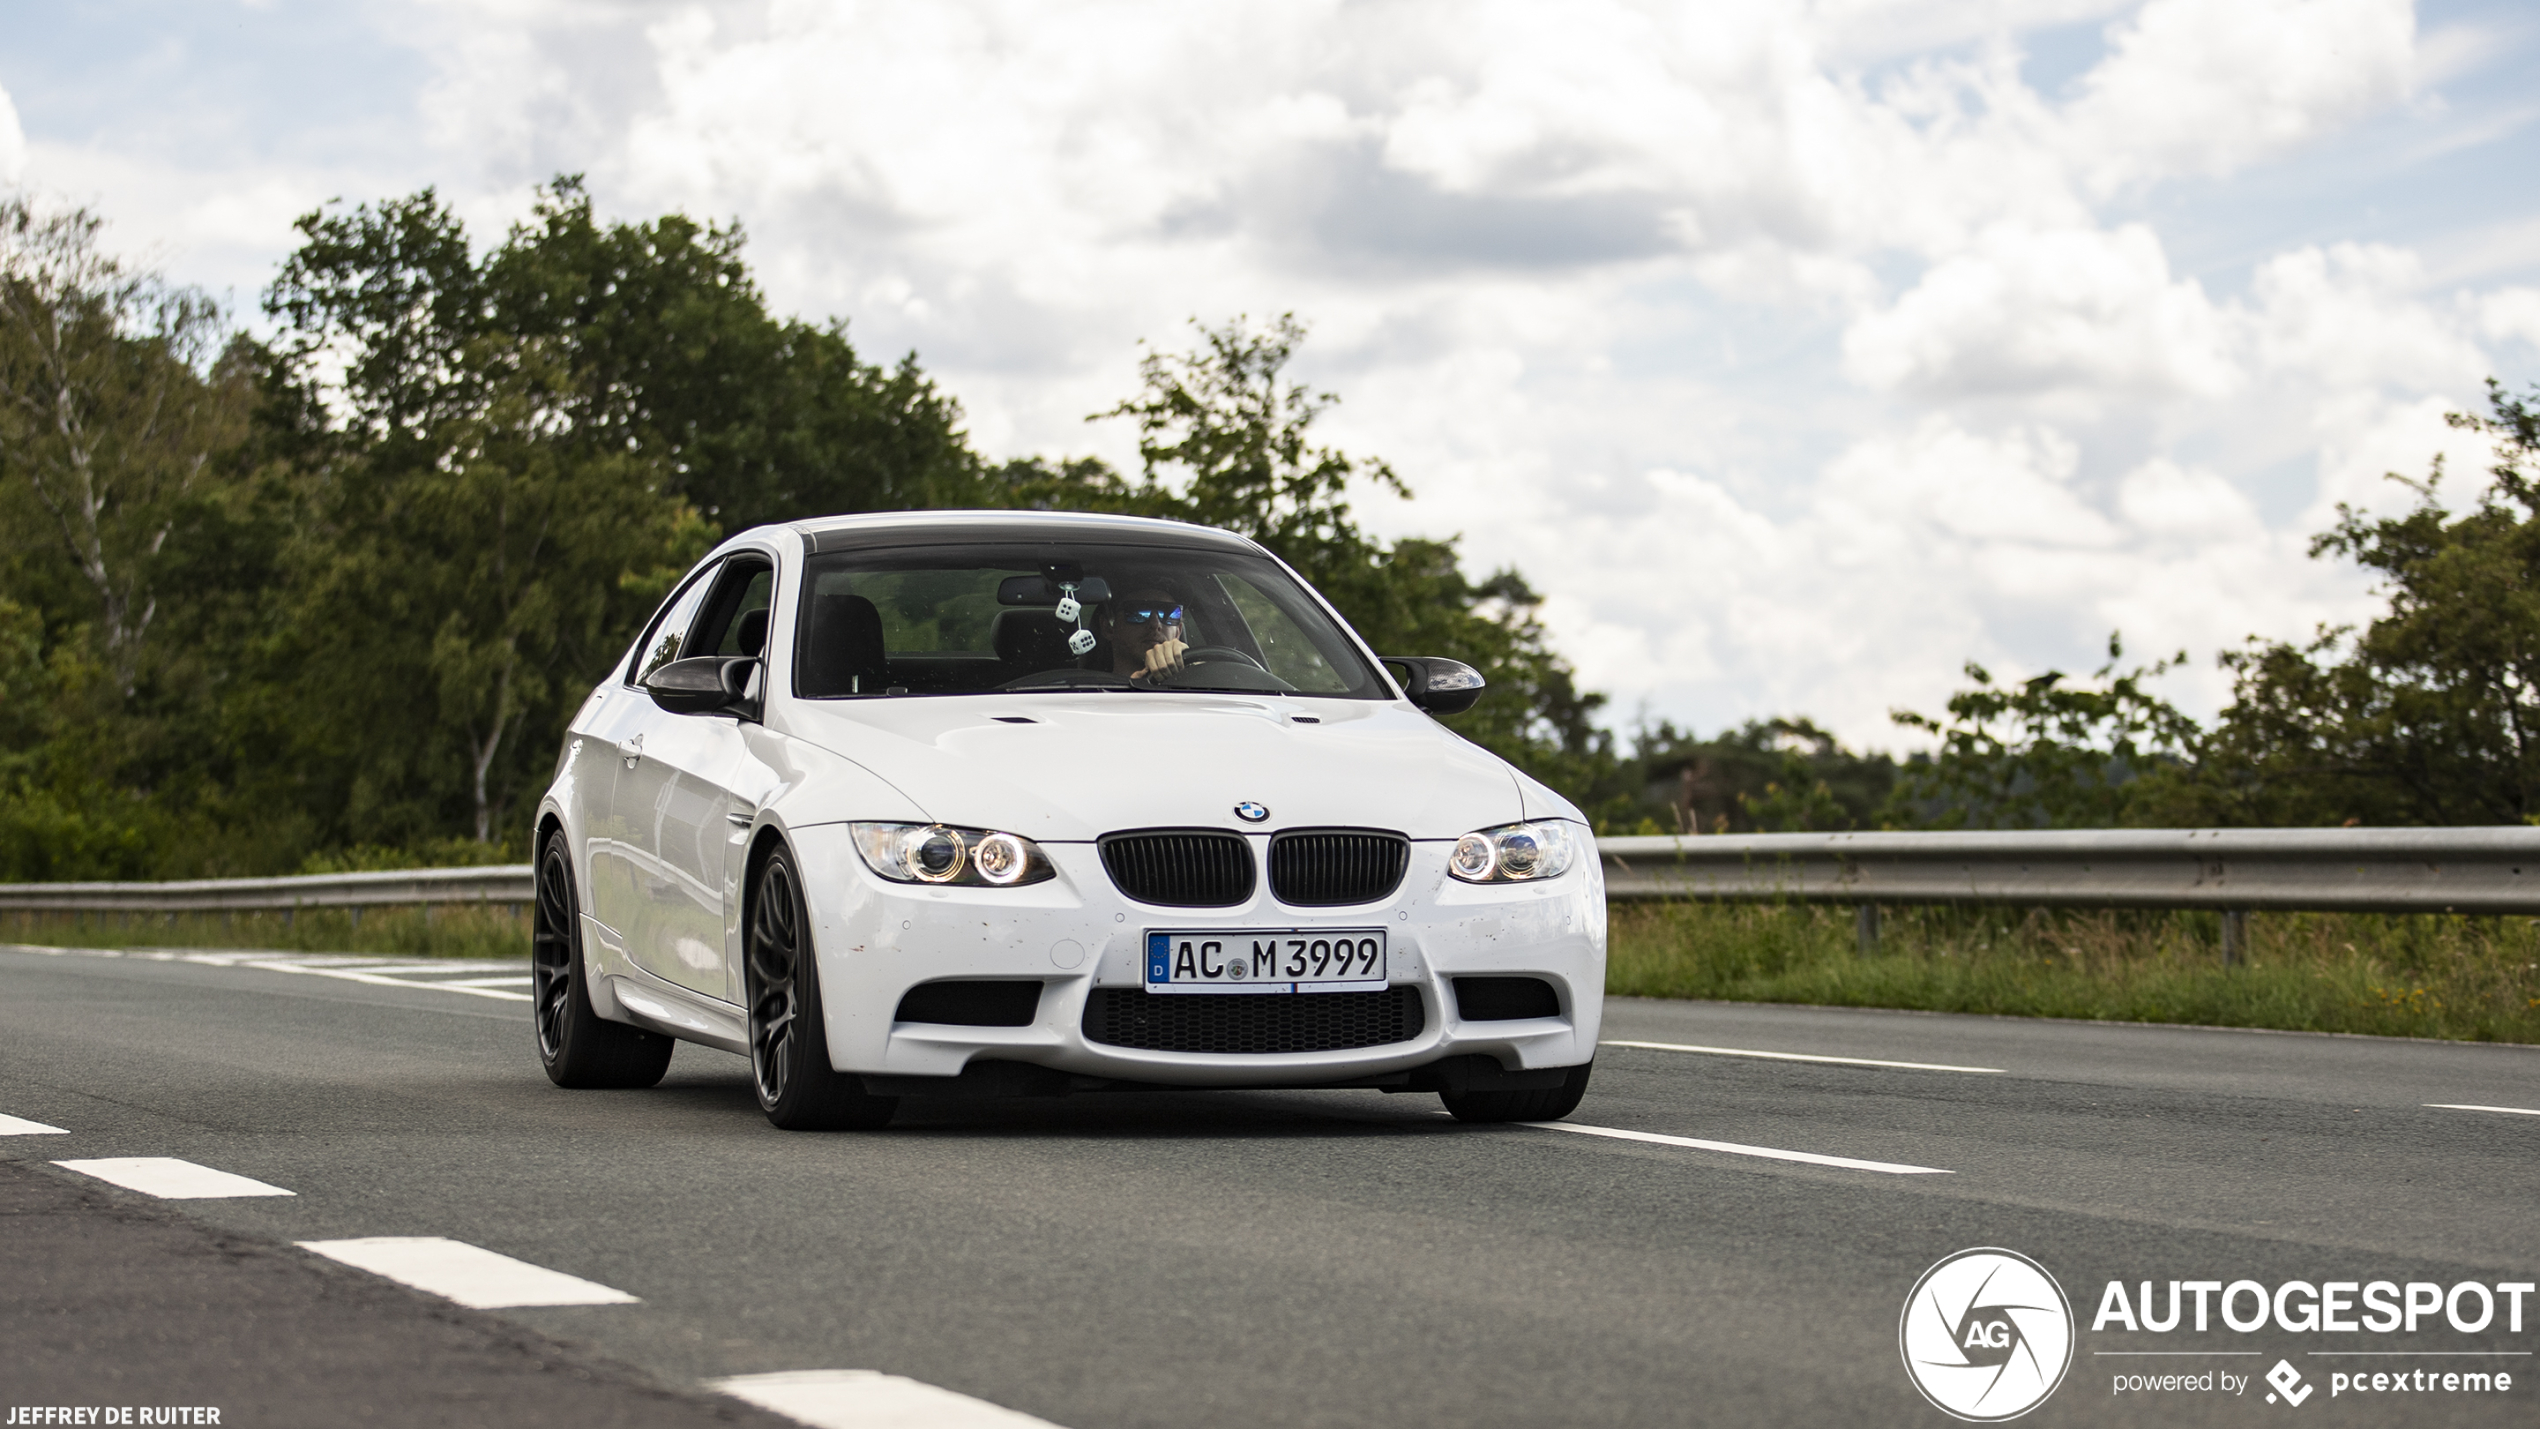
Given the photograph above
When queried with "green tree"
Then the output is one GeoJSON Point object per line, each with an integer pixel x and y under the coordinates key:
{"type": "Point", "coordinates": [2048, 753]}
{"type": "Point", "coordinates": [1225, 439]}
{"type": "Point", "coordinates": [2431, 713]}
{"type": "Point", "coordinates": [111, 411]}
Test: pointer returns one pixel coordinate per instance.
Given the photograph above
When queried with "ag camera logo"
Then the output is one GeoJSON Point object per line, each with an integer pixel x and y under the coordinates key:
{"type": "Point", "coordinates": [1987, 1335]}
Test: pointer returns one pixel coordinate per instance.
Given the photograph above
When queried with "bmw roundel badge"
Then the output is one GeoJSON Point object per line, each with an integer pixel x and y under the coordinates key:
{"type": "Point", "coordinates": [1250, 812]}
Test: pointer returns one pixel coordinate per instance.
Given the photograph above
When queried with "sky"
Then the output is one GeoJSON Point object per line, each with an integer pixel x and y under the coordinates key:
{"type": "Point", "coordinates": [1798, 353]}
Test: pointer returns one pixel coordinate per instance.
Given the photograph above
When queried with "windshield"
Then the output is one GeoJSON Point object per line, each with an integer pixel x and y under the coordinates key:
{"type": "Point", "coordinates": [961, 620]}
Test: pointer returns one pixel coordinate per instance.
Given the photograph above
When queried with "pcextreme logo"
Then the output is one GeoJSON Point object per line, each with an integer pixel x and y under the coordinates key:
{"type": "Point", "coordinates": [1987, 1335]}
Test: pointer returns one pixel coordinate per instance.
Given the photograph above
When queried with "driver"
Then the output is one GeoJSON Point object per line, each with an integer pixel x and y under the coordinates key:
{"type": "Point", "coordinates": [1144, 633]}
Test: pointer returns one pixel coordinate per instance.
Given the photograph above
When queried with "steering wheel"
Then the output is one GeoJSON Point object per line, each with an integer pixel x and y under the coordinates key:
{"type": "Point", "coordinates": [1207, 654]}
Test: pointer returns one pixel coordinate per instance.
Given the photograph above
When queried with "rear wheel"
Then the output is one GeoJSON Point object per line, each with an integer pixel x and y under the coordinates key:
{"type": "Point", "coordinates": [789, 1043]}
{"type": "Point", "coordinates": [576, 1045]}
{"type": "Point", "coordinates": [1548, 1104]}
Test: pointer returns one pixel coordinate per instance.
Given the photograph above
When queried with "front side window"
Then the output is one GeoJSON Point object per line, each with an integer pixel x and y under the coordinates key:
{"type": "Point", "coordinates": [954, 620]}
{"type": "Point", "coordinates": [734, 621]}
{"type": "Point", "coordinates": [668, 637]}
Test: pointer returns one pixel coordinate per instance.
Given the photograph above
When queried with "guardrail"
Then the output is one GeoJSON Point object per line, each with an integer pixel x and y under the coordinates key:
{"type": "Point", "coordinates": [503, 885]}
{"type": "Point", "coordinates": [2232, 871]}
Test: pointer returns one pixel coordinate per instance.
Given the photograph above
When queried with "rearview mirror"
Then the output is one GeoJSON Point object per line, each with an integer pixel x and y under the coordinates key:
{"type": "Point", "coordinates": [1436, 684]}
{"type": "Point", "coordinates": [706, 684]}
{"type": "Point", "coordinates": [1040, 590]}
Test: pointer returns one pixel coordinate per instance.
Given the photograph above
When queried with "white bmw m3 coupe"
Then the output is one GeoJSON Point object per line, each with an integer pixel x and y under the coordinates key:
{"type": "Point", "coordinates": [1013, 804]}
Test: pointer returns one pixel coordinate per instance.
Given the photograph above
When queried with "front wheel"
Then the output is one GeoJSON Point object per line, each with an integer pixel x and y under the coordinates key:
{"type": "Point", "coordinates": [789, 1042]}
{"type": "Point", "coordinates": [577, 1046]}
{"type": "Point", "coordinates": [1548, 1104]}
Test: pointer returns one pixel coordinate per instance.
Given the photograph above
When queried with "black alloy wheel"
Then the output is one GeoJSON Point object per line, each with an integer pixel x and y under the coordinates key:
{"type": "Point", "coordinates": [789, 1043]}
{"type": "Point", "coordinates": [1548, 1104]}
{"type": "Point", "coordinates": [577, 1046]}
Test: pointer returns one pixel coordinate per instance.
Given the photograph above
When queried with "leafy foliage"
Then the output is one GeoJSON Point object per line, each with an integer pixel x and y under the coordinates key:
{"type": "Point", "coordinates": [2045, 753]}
{"type": "Point", "coordinates": [2430, 714]}
{"type": "Point", "coordinates": [1767, 776]}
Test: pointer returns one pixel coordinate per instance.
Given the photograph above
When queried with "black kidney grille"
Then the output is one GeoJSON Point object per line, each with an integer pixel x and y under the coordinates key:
{"type": "Point", "coordinates": [1180, 868]}
{"type": "Point", "coordinates": [1240, 1023]}
{"type": "Point", "coordinates": [1321, 868]}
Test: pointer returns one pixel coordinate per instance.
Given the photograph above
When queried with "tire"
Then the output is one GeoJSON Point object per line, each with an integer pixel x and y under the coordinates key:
{"type": "Point", "coordinates": [789, 1042]}
{"type": "Point", "coordinates": [577, 1046]}
{"type": "Point", "coordinates": [1549, 1104]}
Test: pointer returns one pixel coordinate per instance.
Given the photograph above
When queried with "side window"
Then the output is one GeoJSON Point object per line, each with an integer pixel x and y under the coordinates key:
{"type": "Point", "coordinates": [668, 638]}
{"type": "Point", "coordinates": [1285, 647]}
{"type": "Point", "coordinates": [735, 621]}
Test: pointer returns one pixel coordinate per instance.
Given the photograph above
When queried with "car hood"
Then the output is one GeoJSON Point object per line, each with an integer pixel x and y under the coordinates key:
{"type": "Point", "coordinates": [1076, 766]}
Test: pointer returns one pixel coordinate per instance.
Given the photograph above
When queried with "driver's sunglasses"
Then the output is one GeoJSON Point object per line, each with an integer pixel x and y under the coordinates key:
{"type": "Point", "coordinates": [1141, 614]}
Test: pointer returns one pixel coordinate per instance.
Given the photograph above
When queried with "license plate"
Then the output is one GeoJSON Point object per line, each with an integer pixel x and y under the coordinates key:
{"type": "Point", "coordinates": [1266, 960]}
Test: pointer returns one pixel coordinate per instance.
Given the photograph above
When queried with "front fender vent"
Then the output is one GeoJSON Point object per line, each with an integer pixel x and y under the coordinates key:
{"type": "Point", "coordinates": [1180, 868]}
{"type": "Point", "coordinates": [1326, 868]}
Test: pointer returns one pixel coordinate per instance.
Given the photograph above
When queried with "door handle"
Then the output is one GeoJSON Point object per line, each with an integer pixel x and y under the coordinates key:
{"type": "Point", "coordinates": [631, 750]}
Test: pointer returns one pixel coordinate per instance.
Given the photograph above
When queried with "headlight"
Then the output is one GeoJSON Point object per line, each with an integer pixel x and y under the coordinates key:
{"type": "Point", "coordinates": [940, 853]}
{"type": "Point", "coordinates": [1514, 853]}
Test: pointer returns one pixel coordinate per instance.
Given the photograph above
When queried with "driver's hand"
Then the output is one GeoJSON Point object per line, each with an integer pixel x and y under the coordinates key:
{"type": "Point", "coordinates": [1161, 657]}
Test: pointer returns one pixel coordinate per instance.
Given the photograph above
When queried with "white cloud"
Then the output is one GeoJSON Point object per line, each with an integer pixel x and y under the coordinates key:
{"type": "Point", "coordinates": [2024, 312]}
{"type": "Point", "coordinates": [2512, 314]}
{"type": "Point", "coordinates": [2192, 87]}
{"type": "Point", "coordinates": [12, 141]}
{"type": "Point", "coordinates": [1799, 352]}
{"type": "Point", "coordinates": [2352, 317]}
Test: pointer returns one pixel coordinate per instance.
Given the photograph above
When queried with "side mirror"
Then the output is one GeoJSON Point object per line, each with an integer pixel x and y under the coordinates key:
{"type": "Point", "coordinates": [1438, 685]}
{"type": "Point", "coordinates": [706, 684]}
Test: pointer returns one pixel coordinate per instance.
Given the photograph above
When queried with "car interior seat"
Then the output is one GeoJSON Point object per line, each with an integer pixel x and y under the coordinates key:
{"type": "Point", "coordinates": [1027, 641]}
{"type": "Point", "coordinates": [750, 636]}
{"type": "Point", "coordinates": [842, 650]}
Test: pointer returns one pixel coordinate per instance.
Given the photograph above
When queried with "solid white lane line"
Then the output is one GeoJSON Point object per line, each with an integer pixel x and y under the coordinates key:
{"type": "Point", "coordinates": [170, 1179]}
{"type": "Point", "coordinates": [15, 1126]}
{"type": "Point", "coordinates": [521, 981]}
{"type": "Point", "coordinates": [870, 1399]}
{"type": "Point", "coordinates": [473, 1276]}
{"type": "Point", "coordinates": [1848, 1163]}
{"type": "Point", "coordinates": [376, 980]}
{"type": "Point", "coordinates": [2509, 1110]}
{"type": "Point", "coordinates": [1796, 1057]}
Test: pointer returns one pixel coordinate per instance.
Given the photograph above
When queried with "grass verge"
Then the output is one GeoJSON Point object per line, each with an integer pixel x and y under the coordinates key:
{"type": "Point", "coordinates": [449, 932]}
{"type": "Point", "coordinates": [2472, 979]}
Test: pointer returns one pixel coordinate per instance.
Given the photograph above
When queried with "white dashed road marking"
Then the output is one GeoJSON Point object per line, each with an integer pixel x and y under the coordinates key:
{"type": "Point", "coordinates": [170, 1179]}
{"type": "Point", "coordinates": [1797, 1057]}
{"type": "Point", "coordinates": [432, 973]}
{"type": "Point", "coordinates": [14, 1126]}
{"type": "Point", "coordinates": [870, 1399]}
{"type": "Point", "coordinates": [473, 1276]}
{"type": "Point", "coordinates": [2461, 1106]}
{"type": "Point", "coordinates": [1811, 1158]}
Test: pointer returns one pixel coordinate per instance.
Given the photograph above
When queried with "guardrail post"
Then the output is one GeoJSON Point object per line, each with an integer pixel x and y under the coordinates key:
{"type": "Point", "coordinates": [1865, 927]}
{"type": "Point", "coordinates": [357, 917]}
{"type": "Point", "coordinates": [2235, 935]}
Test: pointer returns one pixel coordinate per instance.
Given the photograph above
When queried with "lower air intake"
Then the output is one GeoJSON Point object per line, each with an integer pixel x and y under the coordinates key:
{"type": "Point", "coordinates": [1237, 1024]}
{"type": "Point", "coordinates": [1504, 999]}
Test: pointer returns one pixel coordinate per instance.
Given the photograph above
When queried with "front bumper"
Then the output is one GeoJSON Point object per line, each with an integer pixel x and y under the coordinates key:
{"type": "Point", "coordinates": [875, 940]}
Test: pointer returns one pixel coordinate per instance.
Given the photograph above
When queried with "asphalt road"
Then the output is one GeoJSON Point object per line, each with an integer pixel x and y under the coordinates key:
{"type": "Point", "coordinates": [1326, 1259]}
